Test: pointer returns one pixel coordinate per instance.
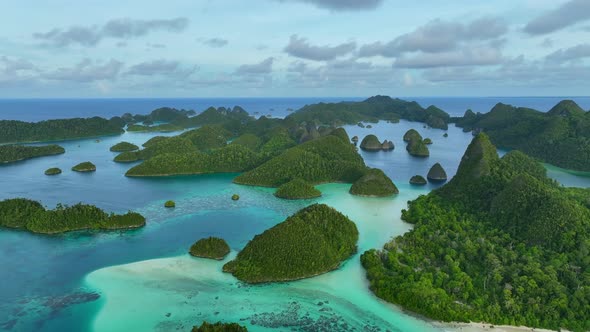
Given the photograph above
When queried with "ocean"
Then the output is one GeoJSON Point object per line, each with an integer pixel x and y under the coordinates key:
{"type": "Point", "coordinates": [33, 110]}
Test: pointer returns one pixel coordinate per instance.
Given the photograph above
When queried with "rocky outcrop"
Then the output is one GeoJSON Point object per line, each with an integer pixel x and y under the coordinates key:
{"type": "Point", "coordinates": [437, 174]}
{"type": "Point", "coordinates": [372, 143]}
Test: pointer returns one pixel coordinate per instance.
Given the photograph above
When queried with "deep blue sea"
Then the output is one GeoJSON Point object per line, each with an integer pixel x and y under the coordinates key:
{"type": "Point", "coordinates": [144, 280]}
{"type": "Point", "coordinates": [44, 109]}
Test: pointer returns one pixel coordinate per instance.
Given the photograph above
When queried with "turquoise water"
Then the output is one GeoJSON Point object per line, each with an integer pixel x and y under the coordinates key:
{"type": "Point", "coordinates": [143, 280]}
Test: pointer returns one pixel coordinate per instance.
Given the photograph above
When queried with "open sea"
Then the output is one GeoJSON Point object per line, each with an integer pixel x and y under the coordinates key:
{"type": "Point", "coordinates": [43, 109]}
{"type": "Point", "coordinates": [144, 280]}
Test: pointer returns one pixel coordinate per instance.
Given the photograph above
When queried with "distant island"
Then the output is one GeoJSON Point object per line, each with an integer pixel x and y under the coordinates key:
{"type": "Point", "coordinates": [417, 146]}
{"type": "Point", "coordinates": [560, 137]}
{"type": "Point", "coordinates": [418, 180]}
{"type": "Point", "coordinates": [14, 153]}
{"type": "Point", "coordinates": [265, 152]}
{"type": "Point", "coordinates": [437, 174]}
{"type": "Point", "coordinates": [53, 171]}
{"type": "Point", "coordinates": [313, 241]}
{"type": "Point", "coordinates": [124, 147]}
{"type": "Point", "coordinates": [211, 247]}
{"type": "Point", "coordinates": [84, 167]}
{"type": "Point", "coordinates": [55, 130]}
{"type": "Point", "coordinates": [371, 110]}
{"type": "Point", "coordinates": [168, 119]}
{"type": "Point", "coordinates": [372, 143]}
{"type": "Point", "coordinates": [500, 243]}
{"type": "Point", "coordinates": [29, 215]}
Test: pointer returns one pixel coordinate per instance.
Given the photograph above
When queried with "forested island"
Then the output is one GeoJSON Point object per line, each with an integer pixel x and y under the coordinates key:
{"type": "Point", "coordinates": [374, 184]}
{"type": "Point", "coordinates": [313, 241]}
{"type": "Point", "coordinates": [168, 119]}
{"type": "Point", "coordinates": [219, 327]}
{"type": "Point", "coordinates": [123, 147]}
{"type": "Point", "coordinates": [416, 146]}
{"type": "Point", "coordinates": [55, 130]}
{"type": "Point", "coordinates": [53, 171]}
{"type": "Point", "coordinates": [297, 189]}
{"type": "Point", "coordinates": [372, 143]}
{"type": "Point", "coordinates": [499, 243]}
{"type": "Point", "coordinates": [371, 110]}
{"type": "Point", "coordinates": [437, 174]}
{"type": "Point", "coordinates": [560, 137]}
{"type": "Point", "coordinates": [211, 247]}
{"type": "Point", "coordinates": [418, 180]}
{"type": "Point", "coordinates": [267, 152]}
{"type": "Point", "coordinates": [14, 153]}
{"type": "Point", "coordinates": [29, 215]}
{"type": "Point", "coordinates": [84, 167]}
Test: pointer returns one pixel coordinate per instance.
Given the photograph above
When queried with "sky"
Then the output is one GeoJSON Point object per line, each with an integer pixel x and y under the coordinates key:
{"type": "Point", "coordinates": [293, 48]}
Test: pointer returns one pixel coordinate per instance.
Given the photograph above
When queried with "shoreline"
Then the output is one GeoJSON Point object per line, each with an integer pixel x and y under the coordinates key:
{"type": "Point", "coordinates": [480, 327]}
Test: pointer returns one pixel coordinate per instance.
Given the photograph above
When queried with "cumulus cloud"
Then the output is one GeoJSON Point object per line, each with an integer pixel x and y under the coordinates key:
{"type": "Point", "coordinates": [161, 67]}
{"type": "Point", "coordinates": [301, 48]}
{"type": "Point", "coordinates": [123, 28]}
{"type": "Point", "coordinates": [476, 56]}
{"type": "Point", "coordinates": [342, 73]}
{"type": "Point", "coordinates": [215, 42]}
{"type": "Point", "coordinates": [342, 5]}
{"type": "Point", "coordinates": [568, 14]}
{"type": "Point", "coordinates": [263, 67]}
{"type": "Point", "coordinates": [438, 36]}
{"type": "Point", "coordinates": [12, 66]}
{"type": "Point", "coordinates": [573, 53]}
{"type": "Point", "coordinates": [86, 71]}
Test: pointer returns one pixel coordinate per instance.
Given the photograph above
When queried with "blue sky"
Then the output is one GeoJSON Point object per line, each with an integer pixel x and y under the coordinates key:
{"type": "Point", "coordinates": [274, 48]}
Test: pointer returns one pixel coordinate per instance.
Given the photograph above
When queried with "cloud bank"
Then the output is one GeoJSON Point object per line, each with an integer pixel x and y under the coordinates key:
{"type": "Point", "coordinates": [342, 5]}
{"type": "Point", "coordinates": [568, 14]}
{"type": "Point", "coordinates": [122, 28]}
{"type": "Point", "coordinates": [301, 48]}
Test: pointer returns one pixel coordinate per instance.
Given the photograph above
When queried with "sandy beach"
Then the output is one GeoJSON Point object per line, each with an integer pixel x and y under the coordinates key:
{"type": "Point", "coordinates": [479, 327]}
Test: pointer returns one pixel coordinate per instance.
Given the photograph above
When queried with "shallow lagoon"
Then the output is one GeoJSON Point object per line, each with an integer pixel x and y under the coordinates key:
{"type": "Point", "coordinates": [132, 280]}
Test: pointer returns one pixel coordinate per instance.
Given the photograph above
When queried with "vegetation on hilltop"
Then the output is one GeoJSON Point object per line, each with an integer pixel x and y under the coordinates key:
{"type": "Point", "coordinates": [13, 153]}
{"type": "Point", "coordinates": [417, 148]}
{"type": "Point", "coordinates": [53, 171]}
{"type": "Point", "coordinates": [412, 135]}
{"type": "Point", "coordinates": [219, 327]}
{"type": "Point", "coordinates": [313, 241]}
{"type": "Point", "coordinates": [230, 159]}
{"type": "Point", "coordinates": [371, 110]}
{"type": "Point", "coordinates": [500, 243]}
{"type": "Point", "coordinates": [250, 141]}
{"type": "Point", "coordinates": [126, 157]}
{"type": "Point", "coordinates": [437, 173]}
{"type": "Point", "coordinates": [374, 184]}
{"type": "Point", "coordinates": [161, 128]}
{"type": "Point", "coordinates": [326, 159]}
{"type": "Point", "coordinates": [560, 137]}
{"type": "Point", "coordinates": [30, 215]}
{"type": "Point", "coordinates": [418, 180]}
{"type": "Point", "coordinates": [124, 147]}
{"type": "Point", "coordinates": [211, 247]}
{"type": "Point", "coordinates": [84, 167]}
{"type": "Point", "coordinates": [297, 189]}
{"type": "Point", "coordinates": [372, 143]}
{"type": "Point", "coordinates": [54, 130]}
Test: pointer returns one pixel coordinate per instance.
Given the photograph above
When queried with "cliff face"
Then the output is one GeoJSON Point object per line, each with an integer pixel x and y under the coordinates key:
{"type": "Point", "coordinates": [478, 158]}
